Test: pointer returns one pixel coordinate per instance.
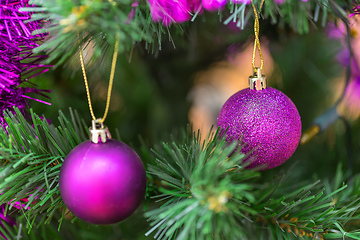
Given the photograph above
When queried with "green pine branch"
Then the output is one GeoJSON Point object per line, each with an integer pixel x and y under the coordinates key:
{"type": "Point", "coordinates": [31, 156]}
{"type": "Point", "coordinates": [208, 193]}
{"type": "Point", "coordinates": [77, 23]}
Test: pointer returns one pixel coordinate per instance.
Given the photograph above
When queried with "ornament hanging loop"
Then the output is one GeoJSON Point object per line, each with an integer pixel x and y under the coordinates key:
{"type": "Point", "coordinates": [257, 41]}
{"type": "Point", "coordinates": [111, 81]}
{"type": "Point", "coordinates": [257, 81]}
{"type": "Point", "coordinates": [99, 131]}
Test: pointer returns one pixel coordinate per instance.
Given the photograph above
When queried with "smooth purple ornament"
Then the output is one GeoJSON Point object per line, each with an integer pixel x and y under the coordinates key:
{"type": "Point", "coordinates": [266, 121]}
{"type": "Point", "coordinates": [102, 183]}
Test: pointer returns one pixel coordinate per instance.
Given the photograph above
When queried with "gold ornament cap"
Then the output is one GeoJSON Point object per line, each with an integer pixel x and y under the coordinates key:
{"type": "Point", "coordinates": [257, 81]}
{"type": "Point", "coordinates": [99, 130]}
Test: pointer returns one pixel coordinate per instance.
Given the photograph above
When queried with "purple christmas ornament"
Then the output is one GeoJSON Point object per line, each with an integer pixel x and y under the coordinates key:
{"type": "Point", "coordinates": [170, 11]}
{"type": "Point", "coordinates": [213, 5]}
{"type": "Point", "coordinates": [17, 62]}
{"type": "Point", "coordinates": [266, 121]}
{"type": "Point", "coordinates": [102, 183]}
{"type": "Point", "coordinates": [179, 11]}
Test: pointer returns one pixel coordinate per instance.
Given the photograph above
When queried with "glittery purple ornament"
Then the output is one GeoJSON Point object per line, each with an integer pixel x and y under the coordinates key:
{"type": "Point", "coordinates": [102, 183]}
{"type": "Point", "coordinates": [266, 121]}
{"type": "Point", "coordinates": [17, 62]}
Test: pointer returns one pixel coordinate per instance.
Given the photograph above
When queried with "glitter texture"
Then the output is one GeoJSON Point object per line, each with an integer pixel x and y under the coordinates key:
{"type": "Point", "coordinates": [266, 121]}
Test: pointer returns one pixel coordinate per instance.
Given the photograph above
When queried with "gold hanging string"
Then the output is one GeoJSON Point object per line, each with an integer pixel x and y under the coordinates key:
{"type": "Point", "coordinates": [111, 81]}
{"type": "Point", "coordinates": [261, 5]}
{"type": "Point", "coordinates": [257, 41]}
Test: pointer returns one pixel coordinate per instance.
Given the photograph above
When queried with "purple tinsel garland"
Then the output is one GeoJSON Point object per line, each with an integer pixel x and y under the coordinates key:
{"type": "Point", "coordinates": [17, 62]}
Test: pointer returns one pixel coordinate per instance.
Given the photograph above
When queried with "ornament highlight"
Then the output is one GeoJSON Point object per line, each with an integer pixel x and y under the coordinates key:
{"type": "Point", "coordinates": [266, 121]}
{"type": "Point", "coordinates": [102, 183]}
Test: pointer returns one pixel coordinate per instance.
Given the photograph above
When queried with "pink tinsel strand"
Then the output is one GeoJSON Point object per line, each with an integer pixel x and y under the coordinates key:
{"type": "Point", "coordinates": [131, 14]}
{"type": "Point", "coordinates": [17, 62]}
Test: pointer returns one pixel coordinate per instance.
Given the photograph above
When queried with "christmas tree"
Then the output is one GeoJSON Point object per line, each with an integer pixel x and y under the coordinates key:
{"type": "Point", "coordinates": [199, 150]}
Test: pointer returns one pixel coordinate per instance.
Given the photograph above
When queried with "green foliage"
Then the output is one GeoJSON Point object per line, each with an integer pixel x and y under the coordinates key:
{"type": "Point", "coordinates": [298, 15]}
{"type": "Point", "coordinates": [78, 23]}
{"type": "Point", "coordinates": [208, 195]}
{"type": "Point", "coordinates": [205, 189]}
{"type": "Point", "coordinates": [201, 199]}
{"type": "Point", "coordinates": [31, 155]}
{"type": "Point", "coordinates": [204, 193]}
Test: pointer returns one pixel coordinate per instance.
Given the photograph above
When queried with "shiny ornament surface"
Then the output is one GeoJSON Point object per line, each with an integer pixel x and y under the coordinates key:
{"type": "Point", "coordinates": [266, 121]}
{"type": "Point", "coordinates": [102, 183]}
